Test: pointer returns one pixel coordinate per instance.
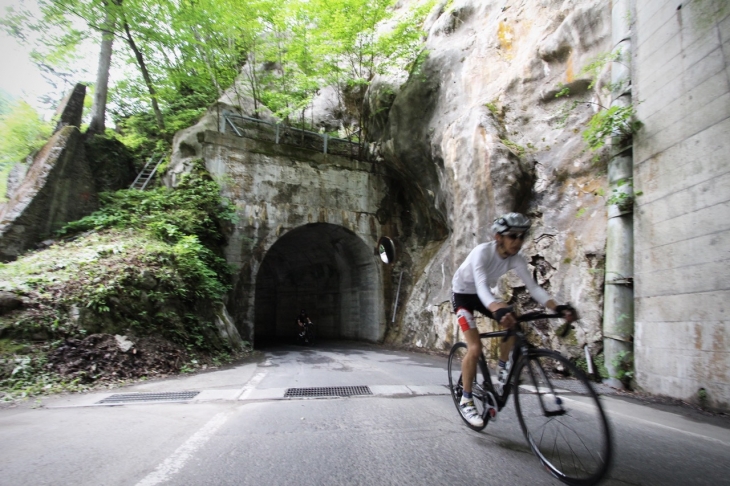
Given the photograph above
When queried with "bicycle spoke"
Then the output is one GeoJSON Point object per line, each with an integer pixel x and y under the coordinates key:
{"type": "Point", "coordinates": [588, 449]}
{"type": "Point", "coordinates": [573, 453]}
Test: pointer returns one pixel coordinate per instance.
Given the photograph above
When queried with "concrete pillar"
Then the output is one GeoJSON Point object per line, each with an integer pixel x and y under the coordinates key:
{"type": "Point", "coordinates": [618, 313]}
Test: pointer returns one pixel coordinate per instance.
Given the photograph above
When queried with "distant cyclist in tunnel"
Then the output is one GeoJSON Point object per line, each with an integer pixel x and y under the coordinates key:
{"type": "Point", "coordinates": [303, 321]}
{"type": "Point", "coordinates": [471, 291]}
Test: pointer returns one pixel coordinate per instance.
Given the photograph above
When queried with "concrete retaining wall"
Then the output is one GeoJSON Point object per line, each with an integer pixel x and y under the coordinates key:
{"type": "Point", "coordinates": [57, 188]}
{"type": "Point", "coordinates": [682, 225]}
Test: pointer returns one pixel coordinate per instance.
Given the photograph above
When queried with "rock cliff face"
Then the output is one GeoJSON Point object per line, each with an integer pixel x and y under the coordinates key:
{"type": "Point", "coordinates": [477, 132]}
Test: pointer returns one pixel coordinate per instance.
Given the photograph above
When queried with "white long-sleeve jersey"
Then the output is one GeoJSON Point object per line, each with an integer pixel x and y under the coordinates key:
{"type": "Point", "coordinates": [481, 270]}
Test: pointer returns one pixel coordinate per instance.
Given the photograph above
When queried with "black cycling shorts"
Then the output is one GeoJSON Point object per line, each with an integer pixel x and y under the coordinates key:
{"type": "Point", "coordinates": [470, 302]}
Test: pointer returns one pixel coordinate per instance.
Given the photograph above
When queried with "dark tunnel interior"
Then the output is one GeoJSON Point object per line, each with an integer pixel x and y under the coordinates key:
{"type": "Point", "coordinates": [326, 270]}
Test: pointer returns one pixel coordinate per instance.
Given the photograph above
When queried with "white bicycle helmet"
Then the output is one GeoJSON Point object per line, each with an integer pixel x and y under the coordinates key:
{"type": "Point", "coordinates": [511, 222]}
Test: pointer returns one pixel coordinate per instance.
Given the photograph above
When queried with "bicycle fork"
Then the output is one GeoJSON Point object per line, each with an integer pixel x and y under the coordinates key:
{"type": "Point", "coordinates": [558, 409]}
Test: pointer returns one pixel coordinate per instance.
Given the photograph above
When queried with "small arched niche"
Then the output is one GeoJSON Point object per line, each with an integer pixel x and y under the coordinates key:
{"type": "Point", "coordinates": [326, 270]}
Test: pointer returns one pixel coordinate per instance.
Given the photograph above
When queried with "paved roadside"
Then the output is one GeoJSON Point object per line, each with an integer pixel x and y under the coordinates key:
{"type": "Point", "coordinates": [235, 426]}
{"type": "Point", "coordinates": [243, 382]}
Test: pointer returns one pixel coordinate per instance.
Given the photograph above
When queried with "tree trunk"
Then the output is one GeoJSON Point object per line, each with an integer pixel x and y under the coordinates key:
{"type": "Point", "coordinates": [98, 108]}
{"type": "Point", "coordinates": [146, 76]}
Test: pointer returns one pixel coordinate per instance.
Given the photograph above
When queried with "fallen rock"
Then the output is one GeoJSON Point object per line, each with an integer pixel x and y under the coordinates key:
{"type": "Point", "coordinates": [124, 343]}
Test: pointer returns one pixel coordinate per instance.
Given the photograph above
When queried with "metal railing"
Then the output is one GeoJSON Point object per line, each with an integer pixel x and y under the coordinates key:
{"type": "Point", "coordinates": [248, 127]}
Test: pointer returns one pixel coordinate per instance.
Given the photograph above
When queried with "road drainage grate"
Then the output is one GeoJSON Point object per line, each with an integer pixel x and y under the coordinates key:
{"type": "Point", "coordinates": [149, 397]}
{"type": "Point", "coordinates": [327, 391]}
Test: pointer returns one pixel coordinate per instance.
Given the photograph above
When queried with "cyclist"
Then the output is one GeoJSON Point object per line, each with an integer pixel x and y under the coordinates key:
{"type": "Point", "coordinates": [471, 291]}
{"type": "Point", "coordinates": [303, 321]}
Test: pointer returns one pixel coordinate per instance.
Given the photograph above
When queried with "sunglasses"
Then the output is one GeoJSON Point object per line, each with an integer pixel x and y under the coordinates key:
{"type": "Point", "coordinates": [514, 236]}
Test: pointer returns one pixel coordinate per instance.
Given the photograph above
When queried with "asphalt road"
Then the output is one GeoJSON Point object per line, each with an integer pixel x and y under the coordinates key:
{"type": "Point", "coordinates": [240, 430]}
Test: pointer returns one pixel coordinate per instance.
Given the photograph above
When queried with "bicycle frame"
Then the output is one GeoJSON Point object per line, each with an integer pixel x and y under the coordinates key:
{"type": "Point", "coordinates": [538, 401]}
{"type": "Point", "coordinates": [521, 348]}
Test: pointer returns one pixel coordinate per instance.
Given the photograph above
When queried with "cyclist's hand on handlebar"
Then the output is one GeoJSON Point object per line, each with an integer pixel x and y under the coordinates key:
{"type": "Point", "coordinates": [505, 317]}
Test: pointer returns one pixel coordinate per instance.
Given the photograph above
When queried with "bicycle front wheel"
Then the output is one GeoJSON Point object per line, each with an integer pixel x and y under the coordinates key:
{"type": "Point", "coordinates": [562, 418]}
{"type": "Point", "coordinates": [456, 385]}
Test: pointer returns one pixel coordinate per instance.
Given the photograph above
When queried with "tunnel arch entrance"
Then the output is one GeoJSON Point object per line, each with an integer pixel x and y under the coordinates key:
{"type": "Point", "coordinates": [331, 273]}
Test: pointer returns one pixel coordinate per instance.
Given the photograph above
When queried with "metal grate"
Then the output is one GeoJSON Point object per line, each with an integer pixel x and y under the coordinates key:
{"type": "Point", "coordinates": [327, 391]}
{"type": "Point", "coordinates": [149, 397]}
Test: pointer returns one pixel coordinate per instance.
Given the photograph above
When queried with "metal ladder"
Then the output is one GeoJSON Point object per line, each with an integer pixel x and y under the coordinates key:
{"type": "Point", "coordinates": [146, 174]}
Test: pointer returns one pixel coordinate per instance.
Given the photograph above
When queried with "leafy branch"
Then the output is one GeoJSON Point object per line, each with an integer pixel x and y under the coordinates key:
{"type": "Point", "coordinates": [615, 121]}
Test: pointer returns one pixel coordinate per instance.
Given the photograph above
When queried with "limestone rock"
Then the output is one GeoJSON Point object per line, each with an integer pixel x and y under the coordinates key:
{"type": "Point", "coordinates": [227, 328]}
{"type": "Point", "coordinates": [187, 143]}
{"type": "Point", "coordinates": [123, 343]}
{"type": "Point", "coordinates": [476, 132]}
{"type": "Point", "coordinates": [328, 112]}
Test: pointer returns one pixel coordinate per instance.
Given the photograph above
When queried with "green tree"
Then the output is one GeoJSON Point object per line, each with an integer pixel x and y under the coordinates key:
{"type": "Point", "coordinates": [22, 132]}
{"type": "Point", "coordinates": [352, 49]}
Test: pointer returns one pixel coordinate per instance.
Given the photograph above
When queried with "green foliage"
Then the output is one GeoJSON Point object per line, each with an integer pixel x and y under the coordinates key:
{"type": "Point", "coordinates": [22, 132]}
{"type": "Point", "coordinates": [23, 375]}
{"type": "Point", "coordinates": [186, 54]}
{"type": "Point", "coordinates": [492, 107]}
{"type": "Point", "coordinates": [599, 368]}
{"type": "Point", "coordinates": [155, 257]}
{"type": "Point", "coordinates": [188, 217]}
{"type": "Point", "coordinates": [624, 200]}
{"type": "Point", "coordinates": [563, 92]}
{"type": "Point", "coordinates": [194, 207]}
{"type": "Point", "coordinates": [702, 398]}
{"type": "Point", "coordinates": [515, 148]}
{"type": "Point", "coordinates": [623, 363]}
{"type": "Point", "coordinates": [598, 64]}
{"type": "Point", "coordinates": [600, 363]}
{"type": "Point", "coordinates": [616, 121]}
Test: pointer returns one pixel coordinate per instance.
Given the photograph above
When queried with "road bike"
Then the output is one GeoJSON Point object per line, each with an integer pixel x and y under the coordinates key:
{"type": "Point", "coordinates": [308, 336]}
{"type": "Point", "coordinates": [558, 409]}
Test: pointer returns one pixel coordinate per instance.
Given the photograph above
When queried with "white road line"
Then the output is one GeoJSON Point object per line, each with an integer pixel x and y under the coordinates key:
{"type": "Point", "coordinates": [253, 382]}
{"type": "Point", "coordinates": [177, 460]}
{"type": "Point", "coordinates": [611, 411]}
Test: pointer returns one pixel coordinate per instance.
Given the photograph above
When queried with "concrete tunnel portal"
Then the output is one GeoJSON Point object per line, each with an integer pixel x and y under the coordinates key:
{"type": "Point", "coordinates": [331, 273]}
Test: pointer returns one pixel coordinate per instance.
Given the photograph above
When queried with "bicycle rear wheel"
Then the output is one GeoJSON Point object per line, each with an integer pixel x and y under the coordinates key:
{"type": "Point", "coordinates": [562, 418]}
{"type": "Point", "coordinates": [456, 357]}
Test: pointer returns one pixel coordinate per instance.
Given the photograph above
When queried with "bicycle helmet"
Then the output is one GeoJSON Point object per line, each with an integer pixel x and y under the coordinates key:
{"type": "Point", "coordinates": [511, 222]}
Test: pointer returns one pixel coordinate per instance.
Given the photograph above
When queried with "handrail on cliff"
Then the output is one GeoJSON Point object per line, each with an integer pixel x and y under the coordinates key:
{"type": "Point", "coordinates": [287, 135]}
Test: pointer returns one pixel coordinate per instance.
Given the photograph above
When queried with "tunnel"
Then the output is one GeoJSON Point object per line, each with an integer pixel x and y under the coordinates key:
{"type": "Point", "coordinates": [326, 270]}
